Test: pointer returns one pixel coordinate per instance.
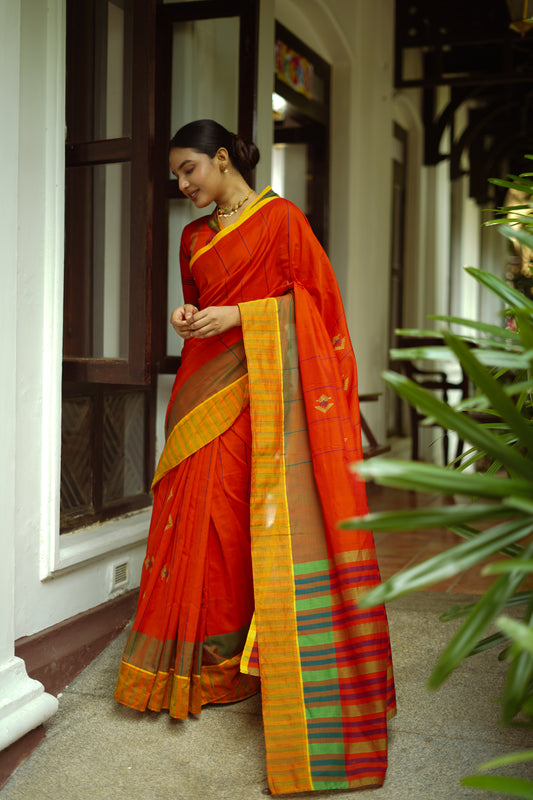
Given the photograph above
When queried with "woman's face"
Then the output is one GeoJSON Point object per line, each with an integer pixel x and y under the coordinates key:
{"type": "Point", "coordinates": [199, 176]}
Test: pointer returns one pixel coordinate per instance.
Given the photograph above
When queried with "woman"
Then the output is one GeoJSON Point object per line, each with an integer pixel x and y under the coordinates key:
{"type": "Point", "coordinates": [247, 580]}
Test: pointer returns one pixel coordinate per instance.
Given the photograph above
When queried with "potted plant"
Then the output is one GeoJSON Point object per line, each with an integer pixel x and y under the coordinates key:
{"type": "Point", "coordinates": [495, 519]}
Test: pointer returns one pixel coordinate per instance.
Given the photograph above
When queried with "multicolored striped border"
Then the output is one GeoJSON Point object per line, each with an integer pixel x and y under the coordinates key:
{"type": "Point", "coordinates": [282, 689]}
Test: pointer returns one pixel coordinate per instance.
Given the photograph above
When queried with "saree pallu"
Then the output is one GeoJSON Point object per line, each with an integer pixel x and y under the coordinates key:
{"type": "Point", "coordinates": [247, 578]}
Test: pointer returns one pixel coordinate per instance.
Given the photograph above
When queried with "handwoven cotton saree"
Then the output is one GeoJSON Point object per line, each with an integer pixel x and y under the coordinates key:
{"type": "Point", "coordinates": [247, 577]}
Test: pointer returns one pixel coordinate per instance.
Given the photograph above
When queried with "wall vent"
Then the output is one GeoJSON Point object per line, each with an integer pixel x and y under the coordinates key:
{"type": "Point", "coordinates": [121, 574]}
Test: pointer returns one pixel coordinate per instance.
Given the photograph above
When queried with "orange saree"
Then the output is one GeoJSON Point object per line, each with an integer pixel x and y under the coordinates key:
{"type": "Point", "coordinates": [247, 580]}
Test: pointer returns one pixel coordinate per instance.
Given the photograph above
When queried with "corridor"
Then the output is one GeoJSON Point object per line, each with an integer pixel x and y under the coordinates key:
{"type": "Point", "coordinates": [97, 750]}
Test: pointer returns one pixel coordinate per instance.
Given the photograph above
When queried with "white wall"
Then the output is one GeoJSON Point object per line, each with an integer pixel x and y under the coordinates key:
{"type": "Point", "coordinates": [407, 105]}
{"type": "Point", "coordinates": [24, 704]}
{"type": "Point", "coordinates": [370, 190]}
{"type": "Point", "coordinates": [465, 235]}
{"type": "Point", "coordinates": [465, 251]}
{"type": "Point", "coordinates": [9, 90]}
{"type": "Point", "coordinates": [56, 577]}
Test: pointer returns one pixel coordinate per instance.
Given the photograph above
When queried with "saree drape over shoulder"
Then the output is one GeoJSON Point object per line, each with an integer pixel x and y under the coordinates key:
{"type": "Point", "coordinates": [247, 581]}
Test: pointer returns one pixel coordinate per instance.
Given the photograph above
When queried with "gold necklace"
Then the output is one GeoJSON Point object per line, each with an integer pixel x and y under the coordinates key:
{"type": "Point", "coordinates": [229, 211]}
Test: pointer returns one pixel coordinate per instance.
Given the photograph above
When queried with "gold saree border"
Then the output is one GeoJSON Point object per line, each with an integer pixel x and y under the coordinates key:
{"type": "Point", "coordinates": [284, 714]}
{"type": "Point", "coordinates": [202, 425]}
{"type": "Point", "coordinates": [220, 683]}
{"type": "Point", "coordinates": [258, 203]}
{"type": "Point", "coordinates": [248, 647]}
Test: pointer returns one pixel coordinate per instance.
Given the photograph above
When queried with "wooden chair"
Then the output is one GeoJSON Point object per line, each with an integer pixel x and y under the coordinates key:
{"type": "Point", "coordinates": [435, 380]}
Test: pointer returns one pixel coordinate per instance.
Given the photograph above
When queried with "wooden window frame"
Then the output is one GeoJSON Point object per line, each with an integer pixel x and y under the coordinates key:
{"type": "Point", "coordinates": [138, 151]}
{"type": "Point", "coordinates": [84, 375]}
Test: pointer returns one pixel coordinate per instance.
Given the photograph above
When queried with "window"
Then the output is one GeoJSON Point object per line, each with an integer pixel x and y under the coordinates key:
{"type": "Point", "coordinates": [106, 452]}
{"type": "Point", "coordinates": [108, 397]}
{"type": "Point", "coordinates": [118, 195]}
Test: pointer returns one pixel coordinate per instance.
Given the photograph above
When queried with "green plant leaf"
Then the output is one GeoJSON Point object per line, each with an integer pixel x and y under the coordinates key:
{"type": "Point", "coordinates": [418, 332]}
{"type": "Point", "coordinates": [499, 220]}
{"type": "Point", "coordinates": [431, 478]}
{"type": "Point", "coordinates": [416, 519]}
{"type": "Point", "coordinates": [513, 178]}
{"type": "Point", "coordinates": [510, 296]}
{"type": "Point", "coordinates": [518, 689]}
{"type": "Point", "coordinates": [504, 761]}
{"type": "Point", "coordinates": [498, 567]}
{"type": "Point", "coordinates": [449, 563]}
{"type": "Point", "coordinates": [512, 215]}
{"type": "Point", "coordinates": [467, 532]}
{"type": "Point", "coordinates": [519, 631]}
{"type": "Point", "coordinates": [515, 212]}
{"type": "Point", "coordinates": [523, 504]}
{"type": "Point", "coordinates": [509, 787]}
{"type": "Point", "coordinates": [492, 389]}
{"type": "Point", "coordinates": [522, 386]}
{"type": "Point", "coordinates": [482, 614]}
{"type": "Point", "coordinates": [527, 708]}
{"type": "Point", "coordinates": [523, 236]}
{"type": "Point", "coordinates": [517, 682]}
{"type": "Point", "coordinates": [423, 352]}
{"type": "Point", "coordinates": [494, 640]}
{"type": "Point", "coordinates": [504, 359]}
{"type": "Point", "coordinates": [499, 358]}
{"type": "Point", "coordinates": [491, 330]}
{"type": "Point", "coordinates": [468, 429]}
{"type": "Point", "coordinates": [525, 329]}
{"type": "Point", "coordinates": [513, 183]}
{"type": "Point", "coordinates": [458, 611]}
{"type": "Point", "coordinates": [470, 457]}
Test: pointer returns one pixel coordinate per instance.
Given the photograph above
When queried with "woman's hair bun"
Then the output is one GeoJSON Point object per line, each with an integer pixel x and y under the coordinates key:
{"type": "Point", "coordinates": [245, 154]}
{"type": "Point", "coordinates": [207, 136]}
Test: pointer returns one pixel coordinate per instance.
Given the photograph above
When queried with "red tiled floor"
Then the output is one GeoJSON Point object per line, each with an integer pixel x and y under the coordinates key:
{"type": "Point", "coordinates": [398, 550]}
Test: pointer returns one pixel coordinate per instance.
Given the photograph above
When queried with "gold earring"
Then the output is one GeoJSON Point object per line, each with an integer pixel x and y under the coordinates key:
{"type": "Point", "coordinates": [224, 168]}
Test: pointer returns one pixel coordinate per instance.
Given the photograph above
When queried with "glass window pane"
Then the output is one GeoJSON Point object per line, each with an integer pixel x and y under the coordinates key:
{"type": "Point", "coordinates": [123, 445]}
{"type": "Point", "coordinates": [99, 70]}
{"type": "Point", "coordinates": [205, 72]}
{"type": "Point", "coordinates": [97, 261]}
{"type": "Point", "coordinates": [117, 91]}
{"type": "Point", "coordinates": [111, 260]}
{"type": "Point", "coordinates": [290, 173]}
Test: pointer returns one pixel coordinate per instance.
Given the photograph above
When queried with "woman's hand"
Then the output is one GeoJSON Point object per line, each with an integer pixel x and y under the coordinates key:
{"type": "Point", "coordinates": [181, 319]}
{"type": "Point", "coordinates": [214, 320]}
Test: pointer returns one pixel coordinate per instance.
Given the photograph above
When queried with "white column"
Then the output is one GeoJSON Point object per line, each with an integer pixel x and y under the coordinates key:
{"type": "Point", "coordinates": [23, 702]}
